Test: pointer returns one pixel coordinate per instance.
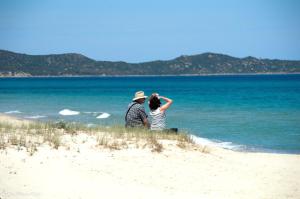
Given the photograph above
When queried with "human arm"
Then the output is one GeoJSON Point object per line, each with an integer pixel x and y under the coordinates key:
{"type": "Point", "coordinates": [167, 105]}
{"type": "Point", "coordinates": [146, 123]}
{"type": "Point", "coordinates": [144, 117]}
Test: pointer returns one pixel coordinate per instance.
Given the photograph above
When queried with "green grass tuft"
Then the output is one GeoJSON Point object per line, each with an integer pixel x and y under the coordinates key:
{"type": "Point", "coordinates": [116, 137]}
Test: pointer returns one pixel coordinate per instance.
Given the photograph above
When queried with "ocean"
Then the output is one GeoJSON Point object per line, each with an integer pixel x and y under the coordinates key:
{"type": "Point", "coordinates": [239, 112]}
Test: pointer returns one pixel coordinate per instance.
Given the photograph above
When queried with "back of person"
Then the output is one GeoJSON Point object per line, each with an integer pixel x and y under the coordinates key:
{"type": "Point", "coordinates": [157, 112]}
{"type": "Point", "coordinates": [136, 115]}
{"type": "Point", "coordinates": [158, 119]}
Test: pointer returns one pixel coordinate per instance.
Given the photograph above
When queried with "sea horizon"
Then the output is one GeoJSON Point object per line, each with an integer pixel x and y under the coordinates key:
{"type": "Point", "coordinates": [171, 75]}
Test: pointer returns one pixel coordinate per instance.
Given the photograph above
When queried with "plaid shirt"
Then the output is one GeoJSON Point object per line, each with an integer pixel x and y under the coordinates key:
{"type": "Point", "coordinates": [135, 115]}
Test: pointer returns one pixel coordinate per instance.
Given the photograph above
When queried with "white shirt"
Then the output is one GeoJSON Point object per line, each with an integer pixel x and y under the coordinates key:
{"type": "Point", "coordinates": [158, 119]}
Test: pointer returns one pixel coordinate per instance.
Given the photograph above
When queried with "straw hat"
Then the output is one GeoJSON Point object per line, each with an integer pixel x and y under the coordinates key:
{"type": "Point", "coordinates": [139, 95]}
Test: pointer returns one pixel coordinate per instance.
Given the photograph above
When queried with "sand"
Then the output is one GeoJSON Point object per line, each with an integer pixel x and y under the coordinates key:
{"type": "Point", "coordinates": [83, 170]}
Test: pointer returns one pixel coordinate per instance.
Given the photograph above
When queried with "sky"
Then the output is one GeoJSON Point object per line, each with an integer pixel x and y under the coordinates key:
{"type": "Point", "coordinates": [143, 30]}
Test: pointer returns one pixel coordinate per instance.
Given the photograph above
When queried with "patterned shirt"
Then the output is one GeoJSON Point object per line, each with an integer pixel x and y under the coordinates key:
{"type": "Point", "coordinates": [158, 119]}
{"type": "Point", "coordinates": [136, 115]}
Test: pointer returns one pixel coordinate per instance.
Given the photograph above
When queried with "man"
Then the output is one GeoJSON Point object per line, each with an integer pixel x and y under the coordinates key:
{"type": "Point", "coordinates": [136, 115]}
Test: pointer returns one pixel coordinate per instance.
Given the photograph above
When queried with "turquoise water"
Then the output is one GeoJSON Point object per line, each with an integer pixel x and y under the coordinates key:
{"type": "Point", "coordinates": [256, 113]}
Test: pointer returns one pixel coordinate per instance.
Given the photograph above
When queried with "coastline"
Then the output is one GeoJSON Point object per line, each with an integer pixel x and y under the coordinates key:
{"type": "Point", "coordinates": [181, 75]}
{"type": "Point", "coordinates": [80, 168]}
{"type": "Point", "coordinates": [16, 120]}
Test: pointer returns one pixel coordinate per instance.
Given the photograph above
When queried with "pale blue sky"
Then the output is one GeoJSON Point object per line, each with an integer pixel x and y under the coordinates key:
{"type": "Point", "coordinates": [143, 30]}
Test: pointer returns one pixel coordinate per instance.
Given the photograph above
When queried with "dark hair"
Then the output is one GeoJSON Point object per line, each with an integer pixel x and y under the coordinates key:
{"type": "Point", "coordinates": [154, 102]}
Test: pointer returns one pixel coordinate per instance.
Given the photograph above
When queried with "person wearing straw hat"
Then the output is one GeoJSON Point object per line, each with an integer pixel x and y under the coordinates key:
{"type": "Point", "coordinates": [136, 115]}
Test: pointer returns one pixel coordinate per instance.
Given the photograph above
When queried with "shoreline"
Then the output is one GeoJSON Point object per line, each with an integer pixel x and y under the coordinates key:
{"type": "Point", "coordinates": [80, 168]}
{"type": "Point", "coordinates": [196, 139]}
{"type": "Point", "coordinates": [240, 148]}
{"type": "Point", "coordinates": [181, 75]}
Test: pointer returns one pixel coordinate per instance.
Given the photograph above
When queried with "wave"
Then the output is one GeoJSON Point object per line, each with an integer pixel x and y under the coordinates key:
{"type": "Point", "coordinates": [201, 141]}
{"type": "Point", "coordinates": [103, 115]}
{"type": "Point", "coordinates": [90, 112]}
{"type": "Point", "coordinates": [225, 145]}
{"type": "Point", "coordinates": [68, 112]}
{"type": "Point", "coordinates": [230, 145]}
{"type": "Point", "coordinates": [35, 117]}
{"type": "Point", "coordinates": [12, 112]}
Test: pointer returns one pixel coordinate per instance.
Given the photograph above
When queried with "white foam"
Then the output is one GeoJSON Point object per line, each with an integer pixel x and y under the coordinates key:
{"type": "Point", "coordinates": [11, 112]}
{"type": "Point", "coordinates": [68, 112]}
{"type": "Point", "coordinates": [225, 145]}
{"type": "Point", "coordinates": [103, 115]}
{"type": "Point", "coordinates": [201, 141]}
{"type": "Point", "coordinates": [229, 145]}
{"type": "Point", "coordinates": [35, 117]}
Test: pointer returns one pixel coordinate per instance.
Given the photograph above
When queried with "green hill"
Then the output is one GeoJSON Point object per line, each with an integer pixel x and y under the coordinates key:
{"type": "Point", "coordinates": [15, 64]}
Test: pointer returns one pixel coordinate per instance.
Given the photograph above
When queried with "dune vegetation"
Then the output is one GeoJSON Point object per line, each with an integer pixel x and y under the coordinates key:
{"type": "Point", "coordinates": [33, 134]}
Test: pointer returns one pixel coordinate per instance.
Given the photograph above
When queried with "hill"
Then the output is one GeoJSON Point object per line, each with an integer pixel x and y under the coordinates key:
{"type": "Point", "coordinates": [71, 64]}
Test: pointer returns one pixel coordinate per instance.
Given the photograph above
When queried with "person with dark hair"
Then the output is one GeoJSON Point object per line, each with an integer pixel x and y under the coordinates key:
{"type": "Point", "coordinates": [157, 112]}
{"type": "Point", "coordinates": [136, 115]}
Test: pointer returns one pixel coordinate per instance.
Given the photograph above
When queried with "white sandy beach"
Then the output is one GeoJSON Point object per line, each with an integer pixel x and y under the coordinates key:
{"type": "Point", "coordinates": [83, 170]}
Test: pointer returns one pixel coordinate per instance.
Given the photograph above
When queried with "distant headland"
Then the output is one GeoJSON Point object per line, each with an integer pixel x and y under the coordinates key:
{"type": "Point", "coordinates": [73, 64]}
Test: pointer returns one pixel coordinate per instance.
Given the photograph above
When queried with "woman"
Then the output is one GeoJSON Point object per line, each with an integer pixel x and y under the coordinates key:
{"type": "Point", "coordinates": [157, 111]}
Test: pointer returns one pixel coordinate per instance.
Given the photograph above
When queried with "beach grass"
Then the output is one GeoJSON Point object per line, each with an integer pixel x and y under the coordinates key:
{"type": "Point", "coordinates": [31, 135]}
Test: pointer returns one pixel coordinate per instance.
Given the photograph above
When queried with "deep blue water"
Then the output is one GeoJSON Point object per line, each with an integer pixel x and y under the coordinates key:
{"type": "Point", "coordinates": [257, 113]}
